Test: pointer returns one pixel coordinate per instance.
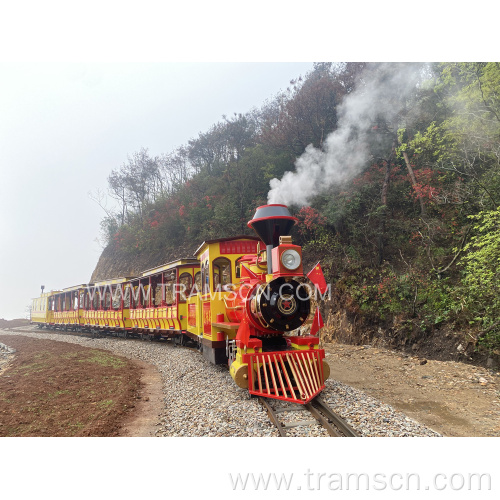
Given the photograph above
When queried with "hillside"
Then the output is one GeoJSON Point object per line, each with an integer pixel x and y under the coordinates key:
{"type": "Point", "coordinates": [114, 262]}
{"type": "Point", "coordinates": [393, 171]}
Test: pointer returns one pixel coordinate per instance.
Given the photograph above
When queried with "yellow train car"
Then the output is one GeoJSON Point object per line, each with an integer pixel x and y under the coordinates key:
{"type": "Point", "coordinates": [159, 296]}
{"type": "Point", "coordinates": [41, 312]}
{"type": "Point", "coordinates": [105, 305]}
{"type": "Point", "coordinates": [65, 306]}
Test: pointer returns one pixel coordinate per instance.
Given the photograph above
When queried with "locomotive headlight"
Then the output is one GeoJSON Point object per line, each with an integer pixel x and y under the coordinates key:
{"type": "Point", "coordinates": [290, 259]}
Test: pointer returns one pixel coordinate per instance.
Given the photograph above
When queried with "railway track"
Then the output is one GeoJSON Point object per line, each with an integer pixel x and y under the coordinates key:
{"type": "Point", "coordinates": [335, 425]}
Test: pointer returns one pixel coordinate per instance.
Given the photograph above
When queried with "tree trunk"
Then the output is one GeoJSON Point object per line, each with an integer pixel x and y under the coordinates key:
{"type": "Point", "coordinates": [414, 183]}
{"type": "Point", "coordinates": [383, 208]}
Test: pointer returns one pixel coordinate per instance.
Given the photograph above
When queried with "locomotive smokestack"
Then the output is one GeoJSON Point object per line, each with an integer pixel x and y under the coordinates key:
{"type": "Point", "coordinates": [270, 222]}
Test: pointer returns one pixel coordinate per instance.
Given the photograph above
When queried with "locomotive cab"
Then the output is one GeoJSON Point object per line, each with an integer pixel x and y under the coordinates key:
{"type": "Point", "coordinates": [209, 319]}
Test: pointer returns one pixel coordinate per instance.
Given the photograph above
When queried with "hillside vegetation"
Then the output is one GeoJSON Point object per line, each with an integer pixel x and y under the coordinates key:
{"type": "Point", "coordinates": [394, 176]}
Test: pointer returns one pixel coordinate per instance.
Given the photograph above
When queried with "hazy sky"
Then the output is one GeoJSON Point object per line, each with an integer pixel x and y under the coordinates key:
{"type": "Point", "coordinates": [64, 127]}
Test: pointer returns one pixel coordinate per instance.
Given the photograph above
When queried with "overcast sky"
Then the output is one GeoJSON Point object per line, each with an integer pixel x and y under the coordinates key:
{"type": "Point", "coordinates": [64, 127]}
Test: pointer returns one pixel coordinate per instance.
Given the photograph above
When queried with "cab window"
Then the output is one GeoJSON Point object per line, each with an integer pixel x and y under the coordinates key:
{"type": "Point", "coordinates": [205, 277]}
{"type": "Point", "coordinates": [221, 273]}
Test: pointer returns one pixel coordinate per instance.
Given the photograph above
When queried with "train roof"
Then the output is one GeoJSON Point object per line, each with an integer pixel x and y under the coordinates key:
{"type": "Point", "coordinates": [47, 294]}
{"type": "Point", "coordinates": [72, 288]}
{"type": "Point", "coordinates": [170, 265]}
{"type": "Point", "coordinates": [112, 281]}
{"type": "Point", "coordinates": [219, 240]}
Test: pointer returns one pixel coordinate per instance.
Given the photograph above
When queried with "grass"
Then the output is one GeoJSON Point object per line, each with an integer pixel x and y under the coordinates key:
{"type": "Point", "coordinates": [104, 359]}
{"type": "Point", "coordinates": [63, 392]}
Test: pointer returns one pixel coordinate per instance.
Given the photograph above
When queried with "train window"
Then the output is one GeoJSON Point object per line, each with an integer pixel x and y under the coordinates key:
{"type": "Point", "coordinates": [126, 297]}
{"type": "Point", "coordinates": [222, 272]}
{"type": "Point", "coordinates": [185, 286]}
{"type": "Point", "coordinates": [136, 296]}
{"type": "Point", "coordinates": [75, 302]}
{"type": "Point", "coordinates": [158, 295]}
{"type": "Point", "coordinates": [169, 293]}
{"type": "Point", "coordinates": [146, 297]}
{"type": "Point", "coordinates": [96, 300]}
{"type": "Point", "coordinates": [169, 281]}
{"type": "Point", "coordinates": [197, 282]}
{"type": "Point", "coordinates": [117, 298]}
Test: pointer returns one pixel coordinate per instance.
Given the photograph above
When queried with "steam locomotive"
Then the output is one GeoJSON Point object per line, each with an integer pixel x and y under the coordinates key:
{"type": "Point", "coordinates": [242, 300]}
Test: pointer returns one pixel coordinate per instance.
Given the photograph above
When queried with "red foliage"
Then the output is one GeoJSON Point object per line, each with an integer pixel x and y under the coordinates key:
{"type": "Point", "coordinates": [423, 188]}
{"type": "Point", "coordinates": [309, 220]}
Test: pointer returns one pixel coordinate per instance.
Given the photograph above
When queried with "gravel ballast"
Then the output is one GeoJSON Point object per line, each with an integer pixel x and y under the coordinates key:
{"type": "Point", "coordinates": [201, 399]}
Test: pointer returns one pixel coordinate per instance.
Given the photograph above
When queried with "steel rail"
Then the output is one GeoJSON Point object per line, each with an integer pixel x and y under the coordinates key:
{"type": "Point", "coordinates": [337, 421]}
{"type": "Point", "coordinates": [330, 421]}
{"type": "Point", "coordinates": [273, 417]}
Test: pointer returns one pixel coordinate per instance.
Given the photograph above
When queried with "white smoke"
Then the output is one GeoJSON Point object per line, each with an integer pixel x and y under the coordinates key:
{"type": "Point", "coordinates": [381, 96]}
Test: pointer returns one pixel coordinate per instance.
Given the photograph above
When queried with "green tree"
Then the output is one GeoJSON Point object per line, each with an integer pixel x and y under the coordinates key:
{"type": "Point", "coordinates": [482, 276]}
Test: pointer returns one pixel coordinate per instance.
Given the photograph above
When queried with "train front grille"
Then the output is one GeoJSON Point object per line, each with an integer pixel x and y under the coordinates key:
{"type": "Point", "coordinates": [295, 376]}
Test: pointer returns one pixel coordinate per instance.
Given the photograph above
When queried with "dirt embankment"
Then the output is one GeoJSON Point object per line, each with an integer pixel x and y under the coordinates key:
{"type": "Point", "coordinates": [455, 399]}
{"type": "Point", "coordinates": [13, 323]}
{"type": "Point", "coordinates": [60, 389]}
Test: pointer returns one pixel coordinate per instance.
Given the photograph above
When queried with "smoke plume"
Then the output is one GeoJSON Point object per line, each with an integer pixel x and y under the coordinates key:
{"type": "Point", "coordinates": [381, 95]}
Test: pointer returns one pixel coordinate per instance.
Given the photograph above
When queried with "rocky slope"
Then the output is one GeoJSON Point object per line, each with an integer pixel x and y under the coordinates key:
{"type": "Point", "coordinates": [114, 263]}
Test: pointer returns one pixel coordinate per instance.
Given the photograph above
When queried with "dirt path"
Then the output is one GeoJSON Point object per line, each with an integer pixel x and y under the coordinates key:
{"type": "Point", "coordinates": [149, 404]}
{"type": "Point", "coordinates": [452, 398]}
{"type": "Point", "coordinates": [59, 389]}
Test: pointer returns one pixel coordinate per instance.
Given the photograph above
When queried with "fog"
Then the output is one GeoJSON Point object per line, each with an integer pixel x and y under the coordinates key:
{"type": "Point", "coordinates": [64, 127]}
